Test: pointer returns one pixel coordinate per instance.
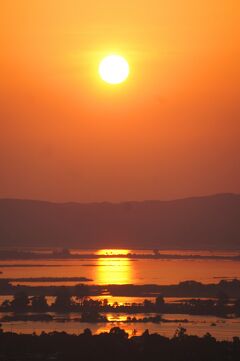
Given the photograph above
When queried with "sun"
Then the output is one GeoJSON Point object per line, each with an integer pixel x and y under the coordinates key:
{"type": "Point", "coordinates": [114, 69]}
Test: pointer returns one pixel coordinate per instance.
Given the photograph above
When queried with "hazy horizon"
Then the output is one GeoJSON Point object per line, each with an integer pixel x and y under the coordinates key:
{"type": "Point", "coordinates": [126, 201]}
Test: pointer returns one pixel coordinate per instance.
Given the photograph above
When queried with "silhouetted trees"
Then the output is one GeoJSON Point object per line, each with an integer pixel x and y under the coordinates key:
{"type": "Point", "coordinates": [148, 305]}
{"type": "Point", "coordinates": [116, 345]}
{"type": "Point", "coordinates": [160, 302]}
{"type": "Point", "coordinates": [63, 301]}
{"type": "Point", "coordinates": [180, 332]}
{"type": "Point", "coordinates": [6, 305]}
{"type": "Point", "coordinates": [20, 302]}
{"type": "Point", "coordinates": [39, 304]}
{"type": "Point", "coordinates": [237, 307]}
{"type": "Point", "coordinates": [118, 332]}
{"type": "Point", "coordinates": [81, 291]}
{"type": "Point", "coordinates": [92, 316]}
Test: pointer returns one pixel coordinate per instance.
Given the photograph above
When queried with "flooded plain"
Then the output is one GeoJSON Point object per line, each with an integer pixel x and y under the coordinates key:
{"type": "Point", "coordinates": [125, 270]}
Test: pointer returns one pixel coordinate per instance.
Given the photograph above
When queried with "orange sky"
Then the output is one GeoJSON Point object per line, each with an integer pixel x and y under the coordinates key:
{"type": "Point", "coordinates": [172, 130]}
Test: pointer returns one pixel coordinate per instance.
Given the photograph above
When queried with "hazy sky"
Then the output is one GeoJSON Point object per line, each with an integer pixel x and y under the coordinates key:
{"type": "Point", "coordinates": [172, 130]}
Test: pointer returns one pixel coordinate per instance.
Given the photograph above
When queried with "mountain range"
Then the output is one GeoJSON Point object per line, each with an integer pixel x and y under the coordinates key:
{"type": "Point", "coordinates": [196, 223]}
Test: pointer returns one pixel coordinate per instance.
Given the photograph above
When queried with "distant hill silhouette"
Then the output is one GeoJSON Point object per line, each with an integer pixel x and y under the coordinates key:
{"type": "Point", "coordinates": [201, 222]}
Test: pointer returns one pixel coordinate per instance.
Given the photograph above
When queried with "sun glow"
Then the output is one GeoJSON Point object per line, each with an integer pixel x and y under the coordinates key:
{"type": "Point", "coordinates": [114, 69]}
{"type": "Point", "coordinates": [113, 252]}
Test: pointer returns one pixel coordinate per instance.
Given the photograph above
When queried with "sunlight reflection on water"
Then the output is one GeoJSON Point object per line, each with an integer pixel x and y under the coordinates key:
{"type": "Point", "coordinates": [125, 270]}
{"type": "Point", "coordinates": [113, 271]}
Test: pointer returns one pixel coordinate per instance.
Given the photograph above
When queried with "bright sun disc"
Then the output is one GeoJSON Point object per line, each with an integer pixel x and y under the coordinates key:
{"type": "Point", "coordinates": [114, 69]}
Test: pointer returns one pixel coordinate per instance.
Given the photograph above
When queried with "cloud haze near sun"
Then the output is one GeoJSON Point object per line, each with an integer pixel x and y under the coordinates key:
{"type": "Point", "coordinates": [171, 130]}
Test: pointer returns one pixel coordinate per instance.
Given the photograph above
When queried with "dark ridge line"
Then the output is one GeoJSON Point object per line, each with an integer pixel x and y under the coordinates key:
{"type": "Point", "coordinates": [214, 195]}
